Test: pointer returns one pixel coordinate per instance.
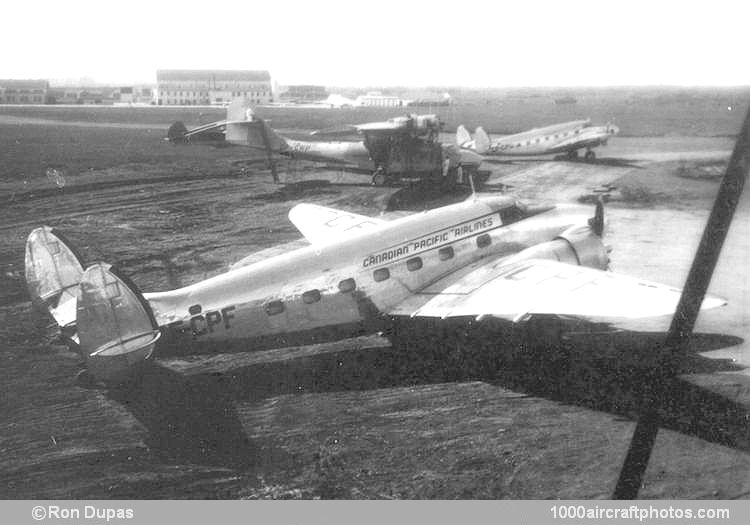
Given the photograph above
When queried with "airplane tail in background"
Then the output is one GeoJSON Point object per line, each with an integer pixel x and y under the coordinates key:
{"type": "Point", "coordinates": [245, 128]}
{"type": "Point", "coordinates": [462, 136]}
{"type": "Point", "coordinates": [481, 141]}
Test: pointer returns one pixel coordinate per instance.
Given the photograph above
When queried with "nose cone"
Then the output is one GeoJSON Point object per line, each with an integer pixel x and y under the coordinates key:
{"type": "Point", "coordinates": [613, 130]}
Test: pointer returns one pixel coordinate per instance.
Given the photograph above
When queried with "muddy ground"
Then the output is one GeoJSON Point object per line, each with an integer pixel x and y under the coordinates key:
{"type": "Point", "coordinates": [351, 419]}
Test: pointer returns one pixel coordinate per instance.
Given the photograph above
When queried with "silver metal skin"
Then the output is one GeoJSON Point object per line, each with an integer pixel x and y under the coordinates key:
{"type": "Point", "coordinates": [567, 137]}
{"type": "Point", "coordinates": [484, 257]}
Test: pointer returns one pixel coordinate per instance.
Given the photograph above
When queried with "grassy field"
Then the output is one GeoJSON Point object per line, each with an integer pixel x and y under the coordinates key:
{"type": "Point", "coordinates": [643, 112]}
{"type": "Point", "coordinates": [351, 420]}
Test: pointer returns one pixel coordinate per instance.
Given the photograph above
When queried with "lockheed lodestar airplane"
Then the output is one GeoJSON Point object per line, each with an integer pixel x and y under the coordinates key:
{"type": "Point", "coordinates": [479, 260]}
{"type": "Point", "coordinates": [398, 148]}
{"type": "Point", "coordinates": [567, 138]}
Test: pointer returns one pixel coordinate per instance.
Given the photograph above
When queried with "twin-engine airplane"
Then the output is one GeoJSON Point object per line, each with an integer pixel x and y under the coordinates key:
{"type": "Point", "coordinates": [472, 261]}
{"type": "Point", "coordinates": [402, 147]}
{"type": "Point", "coordinates": [567, 138]}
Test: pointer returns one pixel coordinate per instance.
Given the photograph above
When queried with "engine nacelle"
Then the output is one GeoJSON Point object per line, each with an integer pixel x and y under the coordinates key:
{"type": "Point", "coordinates": [588, 247]}
{"type": "Point", "coordinates": [577, 245]}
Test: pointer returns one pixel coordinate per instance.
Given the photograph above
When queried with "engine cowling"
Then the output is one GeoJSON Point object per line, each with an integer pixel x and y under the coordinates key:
{"type": "Point", "coordinates": [588, 247]}
{"type": "Point", "coordinates": [577, 245]}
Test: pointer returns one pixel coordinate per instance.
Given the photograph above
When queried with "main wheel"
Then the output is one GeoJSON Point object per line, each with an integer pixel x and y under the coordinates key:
{"type": "Point", "coordinates": [590, 155]}
{"type": "Point", "coordinates": [573, 155]}
{"type": "Point", "coordinates": [379, 179]}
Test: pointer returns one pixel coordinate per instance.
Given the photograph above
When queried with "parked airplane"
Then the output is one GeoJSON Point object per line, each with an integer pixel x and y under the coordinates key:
{"type": "Point", "coordinates": [400, 148]}
{"type": "Point", "coordinates": [567, 138]}
{"type": "Point", "coordinates": [476, 260]}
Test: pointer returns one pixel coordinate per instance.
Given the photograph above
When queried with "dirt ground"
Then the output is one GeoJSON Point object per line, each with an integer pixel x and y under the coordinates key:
{"type": "Point", "coordinates": [351, 419]}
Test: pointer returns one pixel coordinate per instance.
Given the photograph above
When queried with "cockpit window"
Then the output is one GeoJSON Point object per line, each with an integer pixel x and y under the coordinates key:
{"type": "Point", "coordinates": [513, 213]}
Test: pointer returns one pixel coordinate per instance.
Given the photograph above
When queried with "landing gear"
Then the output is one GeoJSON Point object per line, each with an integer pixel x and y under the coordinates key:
{"type": "Point", "coordinates": [590, 155]}
{"type": "Point", "coordinates": [379, 178]}
{"type": "Point", "coordinates": [573, 155]}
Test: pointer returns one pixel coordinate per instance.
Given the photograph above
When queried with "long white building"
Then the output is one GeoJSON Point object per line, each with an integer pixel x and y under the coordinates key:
{"type": "Point", "coordinates": [190, 87]}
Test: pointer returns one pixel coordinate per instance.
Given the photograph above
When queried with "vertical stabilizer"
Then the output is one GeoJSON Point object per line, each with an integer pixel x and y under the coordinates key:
{"type": "Point", "coordinates": [53, 271]}
{"type": "Point", "coordinates": [481, 141]}
{"type": "Point", "coordinates": [247, 129]}
{"type": "Point", "coordinates": [116, 326]}
{"type": "Point", "coordinates": [462, 137]}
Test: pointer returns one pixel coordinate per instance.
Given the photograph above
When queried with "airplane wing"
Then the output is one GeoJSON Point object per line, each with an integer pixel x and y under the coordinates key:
{"type": "Point", "coordinates": [515, 290]}
{"type": "Point", "coordinates": [320, 224]}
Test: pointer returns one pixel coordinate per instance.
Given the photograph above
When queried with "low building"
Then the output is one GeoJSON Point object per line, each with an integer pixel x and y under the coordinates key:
{"type": "Point", "coordinates": [134, 95]}
{"type": "Point", "coordinates": [23, 91]}
{"type": "Point", "coordinates": [377, 99]}
{"type": "Point", "coordinates": [190, 87]}
{"type": "Point", "coordinates": [305, 93]}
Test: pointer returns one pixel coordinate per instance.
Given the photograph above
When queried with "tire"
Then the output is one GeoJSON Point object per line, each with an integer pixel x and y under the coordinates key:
{"type": "Point", "coordinates": [379, 179]}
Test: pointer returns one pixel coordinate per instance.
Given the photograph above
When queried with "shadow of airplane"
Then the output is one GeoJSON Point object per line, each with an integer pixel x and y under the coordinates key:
{"type": "Point", "coordinates": [192, 418]}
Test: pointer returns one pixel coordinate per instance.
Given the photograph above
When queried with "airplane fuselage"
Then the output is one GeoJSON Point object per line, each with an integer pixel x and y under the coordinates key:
{"type": "Point", "coordinates": [334, 290]}
{"type": "Point", "coordinates": [349, 153]}
{"type": "Point", "coordinates": [560, 138]}
{"type": "Point", "coordinates": [356, 153]}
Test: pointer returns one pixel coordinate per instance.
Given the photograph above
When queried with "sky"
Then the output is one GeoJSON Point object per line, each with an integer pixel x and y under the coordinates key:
{"type": "Point", "coordinates": [354, 43]}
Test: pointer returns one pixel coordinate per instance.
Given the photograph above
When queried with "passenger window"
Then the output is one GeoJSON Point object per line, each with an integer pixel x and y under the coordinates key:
{"type": "Point", "coordinates": [274, 307]}
{"type": "Point", "coordinates": [381, 274]}
{"type": "Point", "coordinates": [484, 240]}
{"type": "Point", "coordinates": [446, 253]}
{"type": "Point", "coordinates": [414, 264]}
{"type": "Point", "coordinates": [311, 296]}
{"type": "Point", "coordinates": [347, 285]}
{"type": "Point", "coordinates": [195, 309]}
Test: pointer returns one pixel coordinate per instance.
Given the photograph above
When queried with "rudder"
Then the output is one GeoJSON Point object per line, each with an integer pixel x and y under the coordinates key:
{"type": "Point", "coordinates": [53, 270]}
{"type": "Point", "coordinates": [116, 326]}
{"type": "Point", "coordinates": [481, 141]}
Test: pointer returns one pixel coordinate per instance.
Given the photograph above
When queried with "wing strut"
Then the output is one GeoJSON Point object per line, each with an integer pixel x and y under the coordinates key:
{"type": "Point", "coordinates": [269, 151]}
{"type": "Point", "coordinates": [685, 316]}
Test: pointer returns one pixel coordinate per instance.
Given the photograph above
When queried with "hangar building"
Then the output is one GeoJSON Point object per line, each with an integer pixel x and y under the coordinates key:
{"type": "Point", "coordinates": [189, 87]}
{"type": "Point", "coordinates": [23, 91]}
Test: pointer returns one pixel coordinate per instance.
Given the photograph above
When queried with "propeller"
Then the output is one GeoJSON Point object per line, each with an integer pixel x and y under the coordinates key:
{"type": "Point", "coordinates": [597, 221]}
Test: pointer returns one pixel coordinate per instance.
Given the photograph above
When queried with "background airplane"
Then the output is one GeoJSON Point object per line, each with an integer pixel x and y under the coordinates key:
{"type": "Point", "coordinates": [398, 149]}
{"type": "Point", "coordinates": [568, 138]}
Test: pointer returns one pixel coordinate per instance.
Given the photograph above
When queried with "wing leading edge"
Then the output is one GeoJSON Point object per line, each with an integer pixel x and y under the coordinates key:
{"type": "Point", "coordinates": [514, 290]}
